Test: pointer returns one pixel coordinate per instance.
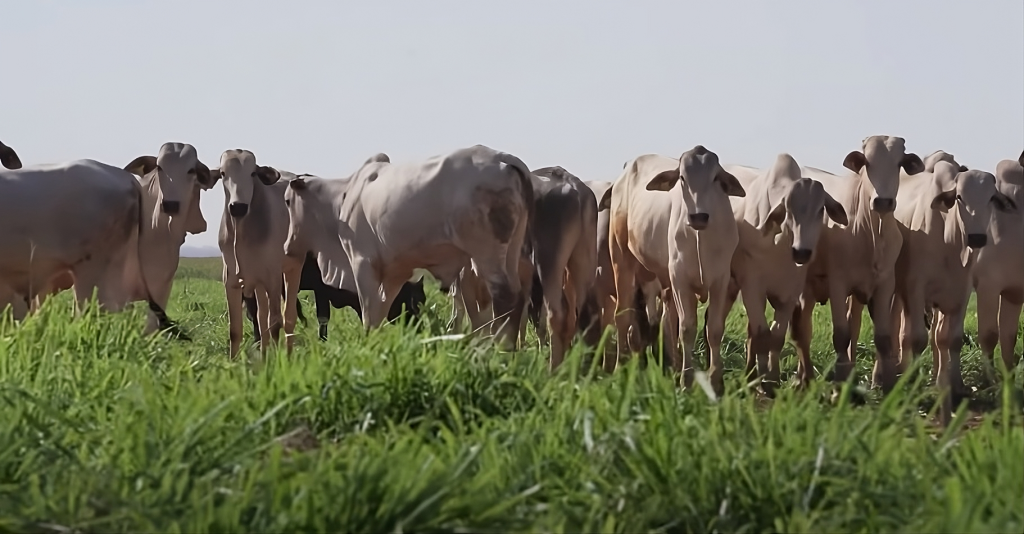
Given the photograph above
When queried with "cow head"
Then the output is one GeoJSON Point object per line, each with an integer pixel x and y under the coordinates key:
{"type": "Point", "coordinates": [178, 173]}
{"type": "Point", "coordinates": [800, 209]}
{"type": "Point", "coordinates": [939, 155]}
{"type": "Point", "coordinates": [240, 174]}
{"type": "Point", "coordinates": [879, 162]}
{"type": "Point", "coordinates": [702, 178]}
{"type": "Point", "coordinates": [974, 194]}
{"type": "Point", "coordinates": [8, 157]}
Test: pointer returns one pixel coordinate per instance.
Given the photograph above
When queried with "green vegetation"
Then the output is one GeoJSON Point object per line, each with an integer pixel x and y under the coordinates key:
{"type": "Point", "coordinates": [103, 430]}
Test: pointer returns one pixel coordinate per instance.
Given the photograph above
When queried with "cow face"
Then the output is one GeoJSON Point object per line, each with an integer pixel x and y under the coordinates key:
{"type": "Point", "coordinates": [702, 179]}
{"type": "Point", "coordinates": [879, 162]}
{"type": "Point", "coordinates": [8, 157]}
{"type": "Point", "coordinates": [178, 173]}
{"type": "Point", "coordinates": [239, 171]}
{"type": "Point", "coordinates": [801, 214]}
{"type": "Point", "coordinates": [974, 194]}
{"type": "Point", "coordinates": [304, 227]}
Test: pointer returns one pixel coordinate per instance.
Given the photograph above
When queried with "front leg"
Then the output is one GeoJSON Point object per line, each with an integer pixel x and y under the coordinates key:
{"type": "Point", "coordinates": [881, 318]}
{"type": "Point", "coordinates": [802, 330]}
{"type": "Point", "coordinates": [715, 328]}
{"type": "Point", "coordinates": [840, 335]}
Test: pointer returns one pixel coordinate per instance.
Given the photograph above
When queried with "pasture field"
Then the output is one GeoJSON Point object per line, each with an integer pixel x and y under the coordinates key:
{"type": "Point", "coordinates": [103, 430]}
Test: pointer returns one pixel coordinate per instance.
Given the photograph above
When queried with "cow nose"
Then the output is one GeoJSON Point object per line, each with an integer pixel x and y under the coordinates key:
{"type": "Point", "coordinates": [698, 221]}
{"type": "Point", "coordinates": [801, 255]}
{"type": "Point", "coordinates": [238, 209]}
{"type": "Point", "coordinates": [883, 205]}
{"type": "Point", "coordinates": [976, 240]}
{"type": "Point", "coordinates": [170, 207]}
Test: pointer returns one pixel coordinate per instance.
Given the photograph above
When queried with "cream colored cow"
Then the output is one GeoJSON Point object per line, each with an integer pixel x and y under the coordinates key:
{"type": "Point", "coordinates": [858, 260]}
{"type": "Point", "coordinates": [780, 222]}
{"type": "Point", "coordinates": [671, 220]}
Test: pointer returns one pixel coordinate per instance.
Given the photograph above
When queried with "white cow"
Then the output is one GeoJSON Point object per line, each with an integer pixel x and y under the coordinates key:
{"type": "Point", "coordinates": [389, 219]}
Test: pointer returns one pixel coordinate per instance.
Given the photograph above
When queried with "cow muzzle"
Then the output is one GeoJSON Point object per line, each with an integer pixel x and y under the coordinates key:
{"type": "Point", "coordinates": [170, 207]}
{"type": "Point", "coordinates": [883, 205]}
{"type": "Point", "coordinates": [801, 255]}
{"type": "Point", "coordinates": [977, 240]}
{"type": "Point", "coordinates": [238, 209]}
{"type": "Point", "coordinates": [698, 221]}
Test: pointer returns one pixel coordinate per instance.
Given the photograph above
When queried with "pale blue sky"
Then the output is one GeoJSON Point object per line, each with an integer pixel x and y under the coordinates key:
{"type": "Point", "coordinates": [318, 87]}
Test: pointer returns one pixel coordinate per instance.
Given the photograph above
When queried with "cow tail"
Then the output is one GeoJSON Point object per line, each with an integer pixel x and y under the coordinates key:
{"type": "Point", "coordinates": [163, 322]}
{"type": "Point", "coordinates": [526, 190]}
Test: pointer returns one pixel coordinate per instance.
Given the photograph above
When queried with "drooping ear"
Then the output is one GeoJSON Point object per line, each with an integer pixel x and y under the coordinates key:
{"type": "Point", "coordinates": [773, 224]}
{"type": "Point", "coordinates": [855, 161]}
{"type": "Point", "coordinates": [297, 184]}
{"type": "Point", "coordinates": [912, 163]}
{"type": "Point", "coordinates": [267, 175]}
{"type": "Point", "coordinates": [664, 180]}
{"type": "Point", "coordinates": [205, 176]}
{"type": "Point", "coordinates": [1004, 203]}
{"type": "Point", "coordinates": [9, 158]}
{"type": "Point", "coordinates": [141, 165]}
{"type": "Point", "coordinates": [606, 200]}
{"type": "Point", "coordinates": [836, 211]}
{"type": "Point", "coordinates": [730, 184]}
{"type": "Point", "coordinates": [944, 200]}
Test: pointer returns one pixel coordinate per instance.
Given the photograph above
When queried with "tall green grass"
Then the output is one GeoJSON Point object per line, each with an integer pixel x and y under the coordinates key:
{"type": "Point", "coordinates": [103, 430]}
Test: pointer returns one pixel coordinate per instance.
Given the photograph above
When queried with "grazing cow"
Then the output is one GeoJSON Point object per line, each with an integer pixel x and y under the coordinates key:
{"type": "Point", "coordinates": [252, 233]}
{"type": "Point", "coordinates": [171, 183]}
{"type": "Point", "coordinates": [389, 219]}
{"type": "Point", "coordinates": [561, 242]}
{"type": "Point", "coordinates": [935, 263]}
{"type": "Point", "coordinates": [410, 298]}
{"type": "Point", "coordinates": [95, 236]}
{"type": "Point", "coordinates": [684, 239]}
{"type": "Point", "coordinates": [858, 259]}
{"type": "Point", "coordinates": [780, 222]}
{"type": "Point", "coordinates": [9, 158]}
{"type": "Point", "coordinates": [999, 270]}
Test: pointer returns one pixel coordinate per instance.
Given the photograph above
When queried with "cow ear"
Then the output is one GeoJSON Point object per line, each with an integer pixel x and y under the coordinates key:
{"type": "Point", "coordinates": [963, 168]}
{"type": "Point", "coordinates": [606, 200]}
{"type": "Point", "coordinates": [912, 163]}
{"type": "Point", "coordinates": [836, 211]}
{"type": "Point", "coordinates": [297, 184]}
{"type": "Point", "coordinates": [773, 224]}
{"type": "Point", "coordinates": [9, 158]}
{"type": "Point", "coordinates": [855, 161]}
{"type": "Point", "coordinates": [1021, 159]}
{"type": "Point", "coordinates": [664, 180]}
{"type": "Point", "coordinates": [204, 176]}
{"type": "Point", "coordinates": [945, 200]}
{"type": "Point", "coordinates": [267, 175]}
{"type": "Point", "coordinates": [1004, 203]}
{"type": "Point", "coordinates": [141, 165]}
{"type": "Point", "coordinates": [379, 157]}
{"type": "Point", "coordinates": [730, 184]}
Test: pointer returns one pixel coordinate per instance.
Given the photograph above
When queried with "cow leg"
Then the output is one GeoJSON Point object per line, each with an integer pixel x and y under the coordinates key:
{"type": "Point", "coordinates": [776, 341]}
{"type": "Point", "coordinates": [323, 313]}
{"type": "Point", "coordinates": [670, 357]}
{"type": "Point", "coordinates": [506, 293]}
{"type": "Point", "coordinates": [368, 286]}
{"type": "Point", "coordinates": [955, 345]}
{"type": "Point", "coordinates": [880, 308]}
{"type": "Point", "coordinates": [275, 319]}
{"type": "Point", "coordinates": [252, 312]}
{"type": "Point", "coordinates": [233, 292]}
{"type": "Point", "coordinates": [942, 332]}
{"type": "Point", "coordinates": [624, 267]}
{"type": "Point", "coordinates": [840, 336]}
{"type": "Point", "coordinates": [552, 259]}
{"type": "Point", "coordinates": [686, 310]}
{"type": "Point", "coordinates": [263, 317]}
{"type": "Point", "coordinates": [801, 329]}
{"type": "Point", "coordinates": [292, 273]}
{"type": "Point", "coordinates": [715, 329]}
{"type": "Point", "coordinates": [988, 326]}
{"type": "Point", "coordinates": [754, 302]}
{"type": "Point", "coordinates": [855, 317]}
{"type": "Point", "coordinates": [458, 307]}
{"type": "Point", "coordinates": [1009, 323]}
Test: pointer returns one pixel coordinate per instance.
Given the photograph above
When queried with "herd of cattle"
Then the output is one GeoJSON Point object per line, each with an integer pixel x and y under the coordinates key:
{"type": "Point", "coordinates": [910, 238]}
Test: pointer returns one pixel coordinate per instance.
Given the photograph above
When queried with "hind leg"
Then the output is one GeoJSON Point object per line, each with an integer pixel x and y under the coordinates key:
{"type": "Point", "coordinates": [1009, 325]}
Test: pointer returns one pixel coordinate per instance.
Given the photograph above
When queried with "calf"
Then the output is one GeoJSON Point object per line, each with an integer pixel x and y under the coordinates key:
{"type": "Point", "coordinates": [935, 262]}
{"type": "Point", "coordinates": [389, 219]}
{"type": "Point", "coordinates": [252, 232]}
{"type": "Point", "coordinates": [684, 239]}
{"type": "Point", "coordinates": [858, 259]}
{"type": "Point", "coordinates": [780, 222]}
{"type": "Point", "coordinates": [999, 270]}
